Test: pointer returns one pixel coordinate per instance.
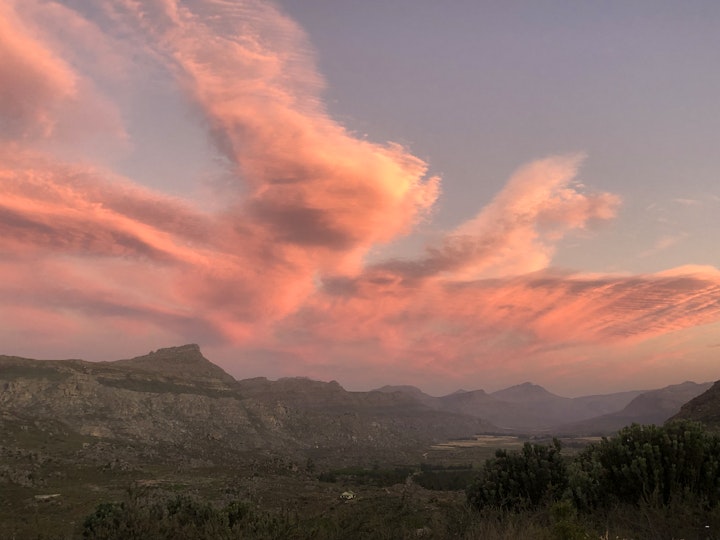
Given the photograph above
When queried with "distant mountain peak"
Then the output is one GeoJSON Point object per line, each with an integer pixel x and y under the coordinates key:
{"type": "Point", "coordinates": [185, 361]}
{"type": "Point", "coordinates": [526, 391]}
{"type": "Point", "coordinates": [527, 386]}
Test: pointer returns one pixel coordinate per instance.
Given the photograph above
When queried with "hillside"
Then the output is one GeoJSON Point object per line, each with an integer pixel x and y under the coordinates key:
{"type": "Point", "coordinates": [704, 408]}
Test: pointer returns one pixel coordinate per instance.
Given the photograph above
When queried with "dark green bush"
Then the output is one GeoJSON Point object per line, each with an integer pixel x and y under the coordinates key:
{"type": "Point", "coordinates": [641, 464]}
{"type": "Point", "coordinates": [651, 464]}
{"type": "Point", "coordinates": [520, 480]}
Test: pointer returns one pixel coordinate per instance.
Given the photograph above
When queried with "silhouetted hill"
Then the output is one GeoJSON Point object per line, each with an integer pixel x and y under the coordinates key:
{"type": "Point", "coordinates": [600, 404]}
{"type": "Point", "coordinates": [704, 408]}
{"type": "Point", "coordinates": [527, 393]}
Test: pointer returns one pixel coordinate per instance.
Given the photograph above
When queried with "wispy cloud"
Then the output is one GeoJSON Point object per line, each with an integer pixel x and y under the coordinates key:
{"type": "Point", "coordinates": [34, 80]}
{"type": "Point", "coordinates": [663, 243]}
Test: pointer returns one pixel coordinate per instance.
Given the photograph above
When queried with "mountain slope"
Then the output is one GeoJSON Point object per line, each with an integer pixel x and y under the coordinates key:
{"type": "Point", "coordinates": [527, 393]}
{"type": "Point", "coordinates": [653, 407]}
{"type": "Point", "coordinates": [704, 408]}
{"type": "Point", "coordinates": [598, 405]}
{"type": "Point", "coordinates": [410, 391]}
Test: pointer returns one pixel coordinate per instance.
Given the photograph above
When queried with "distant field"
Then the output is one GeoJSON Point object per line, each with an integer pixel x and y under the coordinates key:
{"type": "Point", "coordinates": [482, 447]}
{"type": "Point", "coordinates": [494, 441]}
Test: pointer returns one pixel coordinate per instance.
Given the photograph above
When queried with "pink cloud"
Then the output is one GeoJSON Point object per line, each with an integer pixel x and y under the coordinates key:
{"type": "Point", "coordinates": [34, 80]}
{"type": "Point", "coordinates": [312, 184]}
{"type": "Point", "coordinates": [476, 330]}
{"type": "Point", "coordinates": [517, 231]}
{"type": "Point", "coordinates": [279, 268]}
{"type": "Point", "coordinates": [72, 209]}
{"type": "Point", "coordinates": [319, 198]}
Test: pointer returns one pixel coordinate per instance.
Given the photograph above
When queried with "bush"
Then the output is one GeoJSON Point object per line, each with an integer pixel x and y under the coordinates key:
{"type": "Point", "coordinates": [649, 464]}
{"type": "Point", "coordinates": [152, 515]}
{"type": "Point", "coordinates": [521, 480]}
{"type": "Point", "coordinates": [142, 517]}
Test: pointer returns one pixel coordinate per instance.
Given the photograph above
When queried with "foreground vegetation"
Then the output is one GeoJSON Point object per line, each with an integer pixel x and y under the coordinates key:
{"type": "Point", "coordinates": [147, 516]}
{"type": "Point", "coordinates": [647, 482]}
{"type": "Point", "coordinates": [641, 464]}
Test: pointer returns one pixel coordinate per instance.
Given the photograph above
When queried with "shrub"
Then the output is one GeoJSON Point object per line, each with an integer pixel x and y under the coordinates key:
{"type": "Point", "coordinates": [651, 464]}
{"type": "Point", "coordinates": [178, 517]}
{"type": "Point", "coordinates": [521, 480]}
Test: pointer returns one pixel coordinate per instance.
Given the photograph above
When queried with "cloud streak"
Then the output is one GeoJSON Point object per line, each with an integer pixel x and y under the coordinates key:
{"type": "Point", "coordinates": [280, 265]}
{"type": "Point", "coordinates": [35, 80]}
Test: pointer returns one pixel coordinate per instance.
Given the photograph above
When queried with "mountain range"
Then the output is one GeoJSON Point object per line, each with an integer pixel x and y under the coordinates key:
{"type": "Point", "coordinates": [176, 401]}
{"type": "Point", "coordinates": [530, 408]}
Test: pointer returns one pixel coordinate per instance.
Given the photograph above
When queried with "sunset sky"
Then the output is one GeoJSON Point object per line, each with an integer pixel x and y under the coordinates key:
{"type": "Point", "coordinates": [450, 195]}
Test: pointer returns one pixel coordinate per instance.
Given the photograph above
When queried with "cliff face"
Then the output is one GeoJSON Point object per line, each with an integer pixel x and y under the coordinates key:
{"type": "Point", "coordinates": [177, 400]}
{"type": "Point", "coordinates": [123, 402]}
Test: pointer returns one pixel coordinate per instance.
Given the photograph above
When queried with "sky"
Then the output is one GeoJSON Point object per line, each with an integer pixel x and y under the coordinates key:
{"type": "Point", "coordinates": [449, 195]}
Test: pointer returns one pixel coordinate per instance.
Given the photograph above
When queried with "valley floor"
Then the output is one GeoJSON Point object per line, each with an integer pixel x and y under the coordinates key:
{"type": "Point", "coordinates": [49, 495]}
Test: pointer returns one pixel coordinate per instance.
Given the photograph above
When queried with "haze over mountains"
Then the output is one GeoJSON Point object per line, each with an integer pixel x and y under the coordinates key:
{"type": "Point", "coordinates": [178, 399]}
{"type": "Point", "coordinates": [531, 408]}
